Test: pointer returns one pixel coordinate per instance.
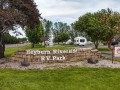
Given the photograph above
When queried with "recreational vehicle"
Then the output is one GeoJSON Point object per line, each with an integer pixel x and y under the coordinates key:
{"type": "Point", "coordinates": [82, 41]}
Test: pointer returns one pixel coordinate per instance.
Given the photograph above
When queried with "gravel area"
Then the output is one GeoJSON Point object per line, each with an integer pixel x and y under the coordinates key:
{"type": "Point", "coordinates": [41, 66]}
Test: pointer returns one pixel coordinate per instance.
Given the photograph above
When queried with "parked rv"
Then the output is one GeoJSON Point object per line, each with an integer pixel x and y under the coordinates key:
{"type": "Point", "coordinates": [82, 41]}
{"type": "Point", "coordinates": [68, 42]}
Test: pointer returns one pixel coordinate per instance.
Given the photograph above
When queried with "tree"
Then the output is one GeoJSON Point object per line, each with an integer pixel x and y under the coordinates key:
{"type": "Point", "coordinates": [100, 26]}
{"type": "Point", "coordinates": [34, 36]}
{"type": "Point", "coordinates": [8, 39]}
{"type": "Point", "coordinates": [22, 40]}
{"type": "Point", "coordinates": [47, 25]}
{"type": "Point", "coordinates": [89, 23]}
{"type": "Point", "coordinates": [74, 33]}
{"type": "Point", "coordinates": [16, 12]}
{"type": "Point", "coordinates": [60, 27]}
{"type": "Point", "coordinates": [111, 21]}
{"type": "Point", "coordinates": [61, 37]}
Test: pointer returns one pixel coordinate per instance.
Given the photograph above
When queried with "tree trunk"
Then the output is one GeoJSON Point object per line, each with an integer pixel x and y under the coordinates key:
{"type": "Point", "coordinates": [32, 45]}
{"type": "Point", "coordinates": [2, 46]}
{"type": "Point", "coordinates": [96, 44]}
{"type": "Point", "coordinates": [109, 43]}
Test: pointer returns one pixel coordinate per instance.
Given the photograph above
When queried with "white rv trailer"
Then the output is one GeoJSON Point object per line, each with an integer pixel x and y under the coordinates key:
{"type": "Point", "coordinates": [82, 41]}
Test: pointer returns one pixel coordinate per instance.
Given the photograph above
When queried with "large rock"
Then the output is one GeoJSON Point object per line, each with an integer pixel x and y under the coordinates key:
{"type": "Point", "coordinates": [3, 60]}
{"type": "Point", "coordinates": [25, 63]}
{"type": "Point", "coordinates": [92, 61]}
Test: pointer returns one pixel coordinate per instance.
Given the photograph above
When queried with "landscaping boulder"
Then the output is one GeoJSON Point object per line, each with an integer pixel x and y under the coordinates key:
{"type": "Point", "coordinates": [2, 61]}
{"type": "Point", "coordinates": [25, 63]}
{"type": "Point", "coordinates": [92, 61]}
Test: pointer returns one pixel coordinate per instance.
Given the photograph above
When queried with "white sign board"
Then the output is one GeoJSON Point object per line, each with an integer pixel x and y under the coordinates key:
{"type": "Point", "coordinates": [117, 52]}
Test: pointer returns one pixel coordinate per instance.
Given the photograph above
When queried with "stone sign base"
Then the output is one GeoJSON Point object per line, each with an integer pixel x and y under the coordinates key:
{"type": "Point", "coordinates": [81, 54]}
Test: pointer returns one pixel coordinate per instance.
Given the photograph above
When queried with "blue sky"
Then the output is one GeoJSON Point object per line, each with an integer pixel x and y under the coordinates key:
{"type": "Point", "coordinates": [69, 10]}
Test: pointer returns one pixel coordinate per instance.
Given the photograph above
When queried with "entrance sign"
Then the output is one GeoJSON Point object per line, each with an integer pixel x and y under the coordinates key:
{"type": "Point", "coordinates": [117, 52]}
{"type": "Point", "coordinates": [56, 55]}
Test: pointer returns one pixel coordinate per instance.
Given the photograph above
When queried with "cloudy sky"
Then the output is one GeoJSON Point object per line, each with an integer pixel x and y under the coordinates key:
{"type": "Point", "coordinates": [69, 10]}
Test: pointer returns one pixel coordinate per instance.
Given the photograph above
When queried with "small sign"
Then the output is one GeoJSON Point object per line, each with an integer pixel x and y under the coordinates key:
{"type": "Point", "coordinates": [117, 51]}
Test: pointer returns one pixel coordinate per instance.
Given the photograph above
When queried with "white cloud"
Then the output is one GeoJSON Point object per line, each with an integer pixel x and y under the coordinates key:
{"type": "Point", "coordinates": [69, 10]}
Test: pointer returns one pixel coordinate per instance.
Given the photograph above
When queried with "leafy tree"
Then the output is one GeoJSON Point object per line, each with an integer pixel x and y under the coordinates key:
{"type": "Point", "coordinates": [22, 39]}
{"type": "Point", "coordinates": [89, 23]}
{"type": "Point", "coordinates": [74, 33]}
{"type": "Point", "coordinates": [61, 37]}
{"type": "Point", "coordinates": [59, 28]}
{"type": "Point", "coordinates": [111, 21]}
{"type": "Point", "coordinates": [16, 12]}
{"type": "Point", "coordinates": [100, 26]}
{"type": "Point", "coordinates": [34, 36]}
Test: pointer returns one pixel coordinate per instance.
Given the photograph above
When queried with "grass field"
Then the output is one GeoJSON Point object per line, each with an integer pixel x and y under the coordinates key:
{"type": "Point", "coordinates": [104, 49]}
{"type": "Point", "coordinates": [61, 79]}
{"type": "Point", "coordinates": [10, 51]}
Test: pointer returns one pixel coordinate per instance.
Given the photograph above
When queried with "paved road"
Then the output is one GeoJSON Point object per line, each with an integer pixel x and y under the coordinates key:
{"type": "Point", "coordinates": [14, 45]}
{"type": "Point", "coordinates": [100, 46]}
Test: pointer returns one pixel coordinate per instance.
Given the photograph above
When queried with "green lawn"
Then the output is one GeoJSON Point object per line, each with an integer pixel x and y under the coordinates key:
{"type": "Point", "coordinates": [61, 79]}
{"type": "Point", "coordinates": [104, 49]}
{"type": "Point", "coordinates": [10, 51]}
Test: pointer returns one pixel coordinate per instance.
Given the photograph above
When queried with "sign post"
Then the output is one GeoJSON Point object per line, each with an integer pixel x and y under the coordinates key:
{"type": "Point", "coordinates": [113, 49]}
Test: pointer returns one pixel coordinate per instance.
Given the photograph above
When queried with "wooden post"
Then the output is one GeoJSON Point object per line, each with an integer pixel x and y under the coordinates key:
{"type": "Point", "coordinates": [113, 54]}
